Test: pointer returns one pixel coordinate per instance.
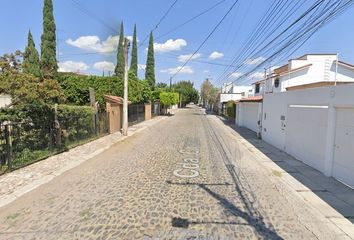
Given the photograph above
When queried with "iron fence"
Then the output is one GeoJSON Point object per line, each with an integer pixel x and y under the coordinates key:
{"type": "Point", "coordinates": [24, 143]}
{"type": "Point", "coordinates": [155, 108]}
{"type": "Point", "coordinates": [136, 113]}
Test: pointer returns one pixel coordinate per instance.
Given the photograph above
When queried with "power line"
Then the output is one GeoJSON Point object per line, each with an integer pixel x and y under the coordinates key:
{"type": "Point", "coordinates": [80, 7]}
{"type": "Point", "coordinates": [327, 14]}
{"type": "Point", "coordinates": [207, 38]}
{"type": "Point", "coordinates": [159, 22]}
{"type": "Point", "coordinates": [191, 19]}
{"type": "Point", "coordinates": [272, 41]}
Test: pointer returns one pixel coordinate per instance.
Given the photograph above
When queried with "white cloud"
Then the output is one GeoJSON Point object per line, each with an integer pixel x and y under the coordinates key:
{"type": "Point", "coordinates": [254, 61]}
{"type": "Point", "coordinates": [141, 66]}
{"type": "Point", "coordinates": [257, 75]}
{"type": "Point", "coordinates": [170, 45]}
{"type": "Point", "coordinates": [104, 66]}
{"type": "Point", "coordinates": [130, 38]}
{"type": "Point", "coordinates": [216, 55]}
{"type": "Point", "coordinates": [186, 70]}
{"type": "Point", "coordinates": [184, 58]}
{"type": "Point", "coordinates": [236, 75]}
{"type": "Point", "coordinates": [206, 71]}
{"type": "Point", "coordinates": [71, 66]}
{"type": "Point", "coordinates": [94, 43]}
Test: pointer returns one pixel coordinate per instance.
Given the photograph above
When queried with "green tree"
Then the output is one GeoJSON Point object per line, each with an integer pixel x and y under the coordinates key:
{"type": "Point", "coordinates": [231, 109]}
{"type": "Point", "coordinates": [28, 89]}
{"type": "Point", "coordinates": [161, 85]}
{"type": "Point", "coordinates": [134, 60]}
{"type": "Point", "coordinates": [187, 92]}
{"type": "Point", "coordinates": [168, 99]}
{"type": "Point", "coordinates": [119, 70]}
{"type": "Point", "coordinates": [11, 62]}
{"type": "Point", "coordinates": [150, 63]}
{"type": "Point", "coordinates": [49, 65]}
{"type": "Point", "coordinates": [31, 64]}
{"type": "Point", "coordinates": [210, 95]}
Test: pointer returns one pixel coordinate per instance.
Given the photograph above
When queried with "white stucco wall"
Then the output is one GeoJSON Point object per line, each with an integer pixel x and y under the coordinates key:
{"type": "Point", "coordinates": [303, 123]}
{"type": "Point", "coordinates": [248, 115]}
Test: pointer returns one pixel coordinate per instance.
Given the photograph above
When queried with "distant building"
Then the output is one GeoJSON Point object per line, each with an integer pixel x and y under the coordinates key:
{"type": "Point", "coordinates": [232, 92]}
{"type": "Point", "coordinates": [308, 71]}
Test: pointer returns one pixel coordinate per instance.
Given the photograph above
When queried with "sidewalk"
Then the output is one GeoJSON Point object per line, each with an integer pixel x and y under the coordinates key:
{"type": "Point", "coordinates": [331, 198]}
{"type": "Point", "coordinates": [21, 181]}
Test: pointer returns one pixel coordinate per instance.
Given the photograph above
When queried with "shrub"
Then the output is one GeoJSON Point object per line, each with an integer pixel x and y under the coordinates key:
{"type": "Point", "coordinates": [230, 109]}
{"type": "Point", "coordinates": [169, 98]}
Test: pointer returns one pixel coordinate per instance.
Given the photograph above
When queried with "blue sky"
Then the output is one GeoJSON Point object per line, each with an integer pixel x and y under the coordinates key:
{"type": "Point", "coordinates": [87, 30]}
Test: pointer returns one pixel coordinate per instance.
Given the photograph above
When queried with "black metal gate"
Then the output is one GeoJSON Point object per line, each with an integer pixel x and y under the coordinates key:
{"type": "Point", "coordinates": [155, 109]}
{"type": "Point", "coordinates": [136, 113]}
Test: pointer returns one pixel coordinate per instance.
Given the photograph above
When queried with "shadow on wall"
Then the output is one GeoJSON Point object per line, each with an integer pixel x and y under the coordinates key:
{"type": "Point", "coordinates": [337, 195]}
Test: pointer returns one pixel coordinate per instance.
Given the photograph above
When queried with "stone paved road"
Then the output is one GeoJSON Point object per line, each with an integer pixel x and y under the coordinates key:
{"type": "Point", "coordinates": [185, 178]}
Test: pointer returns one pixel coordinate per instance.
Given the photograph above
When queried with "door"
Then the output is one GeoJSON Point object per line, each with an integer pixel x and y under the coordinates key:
{"type": "Point", "coordinates": [343, 164]}
{"type": "Point", "coordinates": [251, 116]}
{"type": "Point", "coordinates": [305, 136]}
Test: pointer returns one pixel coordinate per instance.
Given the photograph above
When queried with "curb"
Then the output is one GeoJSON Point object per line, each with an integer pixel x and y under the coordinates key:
{"type": "Point", "coordinates": [7, 199]}
{"type": "Point", "coordinates": [316, 203]}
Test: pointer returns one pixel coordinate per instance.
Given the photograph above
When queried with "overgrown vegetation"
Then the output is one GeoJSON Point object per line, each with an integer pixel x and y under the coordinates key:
{"type": "Point", "coordinates": [187, 92]}
{"type": "Point", "coordinates": [168, 99]}
{"type": "Point", "coordinates": [230, 109]}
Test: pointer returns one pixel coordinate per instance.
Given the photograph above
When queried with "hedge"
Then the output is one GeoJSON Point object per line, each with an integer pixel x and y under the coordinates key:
{"type": "Point", "coordinates": [230, 109]}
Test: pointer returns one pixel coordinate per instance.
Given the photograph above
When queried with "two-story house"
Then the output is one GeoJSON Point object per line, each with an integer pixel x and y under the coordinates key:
{"type": "Point", "coordinates": [232, 92]}
{"type": "Point", "coordinates": [308, 71]}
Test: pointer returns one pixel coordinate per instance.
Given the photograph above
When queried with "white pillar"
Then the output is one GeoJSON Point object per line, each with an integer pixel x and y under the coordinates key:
{"type": "Point", "coordinates": [330, 140]}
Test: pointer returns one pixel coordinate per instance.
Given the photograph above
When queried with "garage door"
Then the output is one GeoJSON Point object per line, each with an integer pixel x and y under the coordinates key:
{"type": "Point", "coordinates": [306, 131]}
{"type": "Point", "coordinates": [250, 116]}
{"type": "Point", "coordinates": [343, 165]}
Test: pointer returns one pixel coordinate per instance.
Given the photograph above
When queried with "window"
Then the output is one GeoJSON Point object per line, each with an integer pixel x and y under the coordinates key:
{"type": "Point", "coordinates": [276, 82]}
{"type": "Point", "coordinates": [257, 87]}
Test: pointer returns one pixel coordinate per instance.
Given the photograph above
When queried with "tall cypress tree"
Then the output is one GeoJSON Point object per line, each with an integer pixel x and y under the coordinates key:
{"type": "Point", "coordinates": [49, 65]}
{"type": "Point", "coordinates": [119, 70]}
{"type": "Point", "coordinates": [150, 63]}
{"type": "Point", "coordinates": [134, 61]}
{"type": "Point", "coordinates": [31, 63]}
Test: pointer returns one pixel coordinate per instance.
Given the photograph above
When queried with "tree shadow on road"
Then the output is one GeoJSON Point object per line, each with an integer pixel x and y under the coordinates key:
{"type": "Point", "coordinates": [256, 222]}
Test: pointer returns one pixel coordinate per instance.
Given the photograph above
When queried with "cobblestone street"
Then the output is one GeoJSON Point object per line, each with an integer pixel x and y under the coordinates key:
{"type": "Point", "coordinates": [187, 177]}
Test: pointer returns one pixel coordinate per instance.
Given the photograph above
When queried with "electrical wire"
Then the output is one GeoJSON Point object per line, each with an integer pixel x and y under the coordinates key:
{"type": "Point", "coordinates": [206, 39]}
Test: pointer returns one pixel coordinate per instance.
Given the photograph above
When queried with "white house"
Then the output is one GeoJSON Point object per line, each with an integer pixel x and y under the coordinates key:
{"type": "Point", "coordinates": [308, 71]}
{"type": "Point", "coordinates": [306, 108]}
{"type": "Point", "coordinates": [232, 92]}
{"type": "Point", "coordinates": [314, 125]}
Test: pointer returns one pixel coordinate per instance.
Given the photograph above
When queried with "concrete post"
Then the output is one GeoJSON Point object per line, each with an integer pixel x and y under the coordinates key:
{"type": "Point", "coordinates": [125, 100]}
{"type": "Point", "coordinates": [147, 111]}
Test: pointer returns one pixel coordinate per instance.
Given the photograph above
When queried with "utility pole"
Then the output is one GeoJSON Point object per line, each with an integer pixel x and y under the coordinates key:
{"type": "Point", "coordinates": [335, 76]}
{"type": "Point", "coordinates": [125, 100]}
{"type": "Point", "coordinates": [170, 83]}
